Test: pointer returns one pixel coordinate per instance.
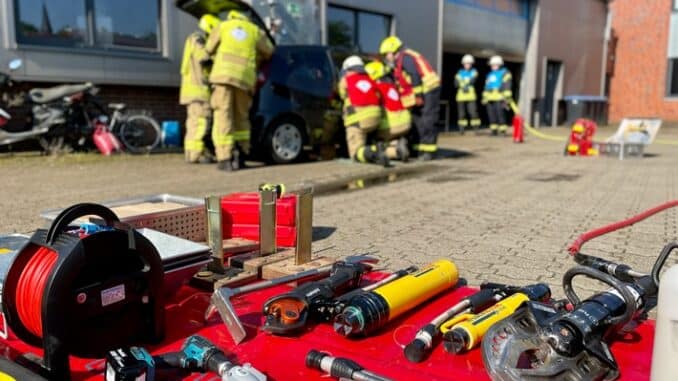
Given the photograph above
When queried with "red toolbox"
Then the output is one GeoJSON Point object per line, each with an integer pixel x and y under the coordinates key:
{"type": "Point", "coordinates": [243, 209]}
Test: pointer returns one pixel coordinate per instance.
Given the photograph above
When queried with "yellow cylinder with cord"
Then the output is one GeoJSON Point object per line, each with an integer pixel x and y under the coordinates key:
{"type": "Point", "coordinates": [371, 310]}
{"type": "Point", "coordinates": [464, 332]}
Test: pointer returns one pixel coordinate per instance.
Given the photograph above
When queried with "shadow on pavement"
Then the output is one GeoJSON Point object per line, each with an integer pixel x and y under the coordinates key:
{"type": "Point", "coordinates": [322, 232]}
{"type": "Point", "coordinates": [446, 153]}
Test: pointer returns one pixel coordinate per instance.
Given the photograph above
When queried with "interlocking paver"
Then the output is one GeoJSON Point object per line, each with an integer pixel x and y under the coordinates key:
{"type": "Point", "coordinates": [504, 213]}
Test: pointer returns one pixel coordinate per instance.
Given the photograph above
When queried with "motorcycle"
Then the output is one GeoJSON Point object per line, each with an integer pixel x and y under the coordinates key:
{"type": "Point", "coordinates": [70, 117]}
{"type": "Point", "coordinates": [47, 113]}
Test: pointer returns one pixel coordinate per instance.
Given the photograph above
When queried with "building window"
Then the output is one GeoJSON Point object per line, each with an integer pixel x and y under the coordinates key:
{"type": "Point", "coordinates": [102, 24]}
{"type": "Point", "coordinates": [356, 30]}
{"type": "Point", "coordinates": [514, 8]}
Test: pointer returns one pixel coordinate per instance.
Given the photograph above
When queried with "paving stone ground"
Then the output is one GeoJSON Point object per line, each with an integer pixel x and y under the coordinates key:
{"type": "Point", "coordinates": [503, 212]}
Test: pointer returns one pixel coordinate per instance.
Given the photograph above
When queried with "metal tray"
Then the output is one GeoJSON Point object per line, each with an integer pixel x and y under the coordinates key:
{"type": "Point", "coordinates": [187, 222]}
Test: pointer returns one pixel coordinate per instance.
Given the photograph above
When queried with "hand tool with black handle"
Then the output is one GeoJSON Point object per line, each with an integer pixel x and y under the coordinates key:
{"type": "Point", "coordinates": [289, 313]}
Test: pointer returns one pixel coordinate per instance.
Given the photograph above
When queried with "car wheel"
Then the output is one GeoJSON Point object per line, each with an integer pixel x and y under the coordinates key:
{"type": "Point", "coordinates": [285, 141]}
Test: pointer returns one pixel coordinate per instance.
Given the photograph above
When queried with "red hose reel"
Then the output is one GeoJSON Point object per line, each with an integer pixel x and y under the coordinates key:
{"type": "Point", "coordinates": [84, 295]}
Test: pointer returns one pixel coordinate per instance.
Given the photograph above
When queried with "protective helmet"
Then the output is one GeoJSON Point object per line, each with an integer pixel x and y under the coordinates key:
{"type": "Point", "coordinates": [375, 69]}
{"type": "Point", "coordinates": [578, 128]}
{"type": "Point", "coordinates": [468, 59]}
{"type": "Point", "coordinates": [496, 60]}
{"type": "Point", "coordinates": [390, 45]}
{"type": "Point", "coordinates": [236, 15]}
{"type": "Point", "coordinates": [352, 61]}
{"type": "Point", "coordinates": [208, 22]}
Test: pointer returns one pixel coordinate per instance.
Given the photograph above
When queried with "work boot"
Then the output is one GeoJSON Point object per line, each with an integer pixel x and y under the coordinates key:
{"type": "Point", "coordinates": [403, 150]}
{"type": "Point", "coordinates": [495, 132]}
{"type": "Point", "coordinates": [226, 166]}
{"type": "Point", "coordinates": [382, 157]}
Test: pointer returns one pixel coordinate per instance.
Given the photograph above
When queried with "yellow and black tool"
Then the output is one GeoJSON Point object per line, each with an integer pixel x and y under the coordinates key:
{"type": "Point", "coordinates": [464, 332]}
{"type": "Point", "coordinates": [371, 310]}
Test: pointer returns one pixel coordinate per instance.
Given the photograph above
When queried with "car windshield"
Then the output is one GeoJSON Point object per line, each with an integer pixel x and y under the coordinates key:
{"type": "Point", "coordinates": [291, 22]}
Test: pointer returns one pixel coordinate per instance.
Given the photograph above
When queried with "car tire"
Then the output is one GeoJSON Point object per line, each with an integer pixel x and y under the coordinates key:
{"type": "Point", "coordinates": [285, 141]}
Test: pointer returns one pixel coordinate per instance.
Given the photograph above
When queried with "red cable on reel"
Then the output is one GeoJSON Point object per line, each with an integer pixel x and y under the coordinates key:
{"type": "Point", "coordinates": [31, 287]}
{"type": "Point", "coordinates": [589, 235]}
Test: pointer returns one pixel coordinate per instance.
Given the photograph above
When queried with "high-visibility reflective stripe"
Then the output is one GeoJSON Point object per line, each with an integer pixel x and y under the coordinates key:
{"type": "Point", "coordinates": [507, 94]}
{"type": "Point", "coordinates": [493, 96]}
{"type": "Point", "coordinates": [503, 128]}
{"type": "Point", "coordinates": [418, 89]}
{"type": "Point", "coordinates": [475, 122]}
{"type": "Point", "coordinates": [360, 155]}
{"type": "Point", "coordinates": [426, 147]}
{"type": "Point", "coordinates": [462, 122]}
{"type": "Point", "coordinates": [494, 126]}
{"type": "Point", "coordinates": [241, 136]}
{"type": "Point", "coordinates": [408, 100]}
{"type": "Point", "coordinates": [397, 118]}
{"type": "Point", "coordinates": [469, 96]}
{"type": "Point", "coordinates": [361, 114]}
{"type": "Point", "coordinates": [223, 140]}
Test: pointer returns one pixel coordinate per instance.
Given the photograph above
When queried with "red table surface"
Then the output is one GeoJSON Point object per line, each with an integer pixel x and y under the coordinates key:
{"type": "Point", "coordinates": [283, 358]}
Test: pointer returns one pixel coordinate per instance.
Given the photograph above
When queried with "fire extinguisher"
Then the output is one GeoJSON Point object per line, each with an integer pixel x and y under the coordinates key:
{"type": "Point", "coordinates": [518, 124]}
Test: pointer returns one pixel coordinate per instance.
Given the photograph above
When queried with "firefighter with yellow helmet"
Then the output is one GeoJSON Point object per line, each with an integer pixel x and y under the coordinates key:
{"type": "Point", "coordinates": [396, 120]}
{"type": "Point", "coordinates": [361, 111]}
{"type": "Point", "coordinates": [237, 46]}
{"type": "Point", "coordinates": [464, 82]}
{"type": "Point", "coordinates": [411, 69]}
{"type": "Point", "coordinates": [498, 95]}
{"type": "Point", "coordinates": [195, 90]}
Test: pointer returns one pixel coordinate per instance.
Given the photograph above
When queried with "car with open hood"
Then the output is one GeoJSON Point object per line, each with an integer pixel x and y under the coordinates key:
{"type": "Point", "coordinates": [293, 109]}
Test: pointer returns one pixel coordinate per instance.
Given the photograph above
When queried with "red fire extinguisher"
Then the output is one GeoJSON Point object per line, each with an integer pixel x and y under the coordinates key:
{"type": "Point", "coordinates": [518, 124]}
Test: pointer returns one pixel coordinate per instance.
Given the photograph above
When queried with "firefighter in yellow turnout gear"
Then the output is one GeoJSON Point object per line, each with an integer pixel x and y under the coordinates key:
{"type": "Point", "coordinates": [237, 46]}
{"type": "Point", "coordinates": [396, 121]}
{"type": "Point", "coordinates": [195, 90]}
{"type": "Point", "coordinates": [361, 112]}
{"type": "Point", "coordinates": [414, 74]}
{"type": "Point", "coordinates": [498, 95]}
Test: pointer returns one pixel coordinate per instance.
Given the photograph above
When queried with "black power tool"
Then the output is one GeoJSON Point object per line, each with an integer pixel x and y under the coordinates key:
{"type": "Point", "coordinates": [540, 342]}
{"type": "Point", "coordinates": [287, 314]}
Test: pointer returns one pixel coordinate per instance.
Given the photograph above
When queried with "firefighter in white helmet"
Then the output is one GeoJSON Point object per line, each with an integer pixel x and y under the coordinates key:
{"type": "Point", "coordinates": [498, 94]}
{"type": "Point", "coordinates": [464, 82]}
{"type": "Point", "coordinates": [362, 112]}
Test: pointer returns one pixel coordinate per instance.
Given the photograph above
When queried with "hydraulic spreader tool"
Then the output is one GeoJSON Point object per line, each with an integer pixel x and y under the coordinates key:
{"type": "Point", "coordinates": [84, 293]}
{"type": "Point", "coordinates": [369, 311]}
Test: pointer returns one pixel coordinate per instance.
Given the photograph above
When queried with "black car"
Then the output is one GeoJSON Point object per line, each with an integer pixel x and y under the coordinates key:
{"type": "Point", "coordinates": [294, 108]}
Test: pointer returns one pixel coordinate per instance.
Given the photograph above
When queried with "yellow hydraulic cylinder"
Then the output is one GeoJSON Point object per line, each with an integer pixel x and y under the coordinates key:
{"type": "Point", "coordinates": [464, 332]}
{"type": "Point", "coordinates": [371, 310]}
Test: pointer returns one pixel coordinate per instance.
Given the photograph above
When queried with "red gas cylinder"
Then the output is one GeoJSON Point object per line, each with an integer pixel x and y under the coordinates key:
{"type": "Point", "coordinates": [518, 129]}
{"type": "Point", "coordinates": [104, 140]}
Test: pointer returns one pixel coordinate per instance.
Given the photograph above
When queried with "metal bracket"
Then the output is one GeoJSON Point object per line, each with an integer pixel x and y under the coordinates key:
{"type": "Point", "coordinates": [304, 225]}
{"type": "Point", "coordinates": [215, 238]}
{"type": "Point", "coordinates": [267, 222]}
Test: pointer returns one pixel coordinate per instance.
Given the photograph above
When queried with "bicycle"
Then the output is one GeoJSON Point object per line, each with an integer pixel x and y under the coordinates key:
{"type": "Point", "coordinates": [139, 133]}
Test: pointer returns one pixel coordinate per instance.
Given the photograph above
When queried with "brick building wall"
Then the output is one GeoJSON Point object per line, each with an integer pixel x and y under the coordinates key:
{"type": "Point", "coordinates": [638, 84]}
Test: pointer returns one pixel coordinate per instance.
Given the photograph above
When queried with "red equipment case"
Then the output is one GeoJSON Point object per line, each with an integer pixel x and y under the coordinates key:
{"type": "Point", "coordinates": [240, 217]}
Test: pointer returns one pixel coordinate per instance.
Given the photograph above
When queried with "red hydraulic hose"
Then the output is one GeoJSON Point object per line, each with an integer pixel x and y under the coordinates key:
{"type": "Point", "coordinates": [31, 287]}
{"type": "Point", "coordinates": [589, 235]}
